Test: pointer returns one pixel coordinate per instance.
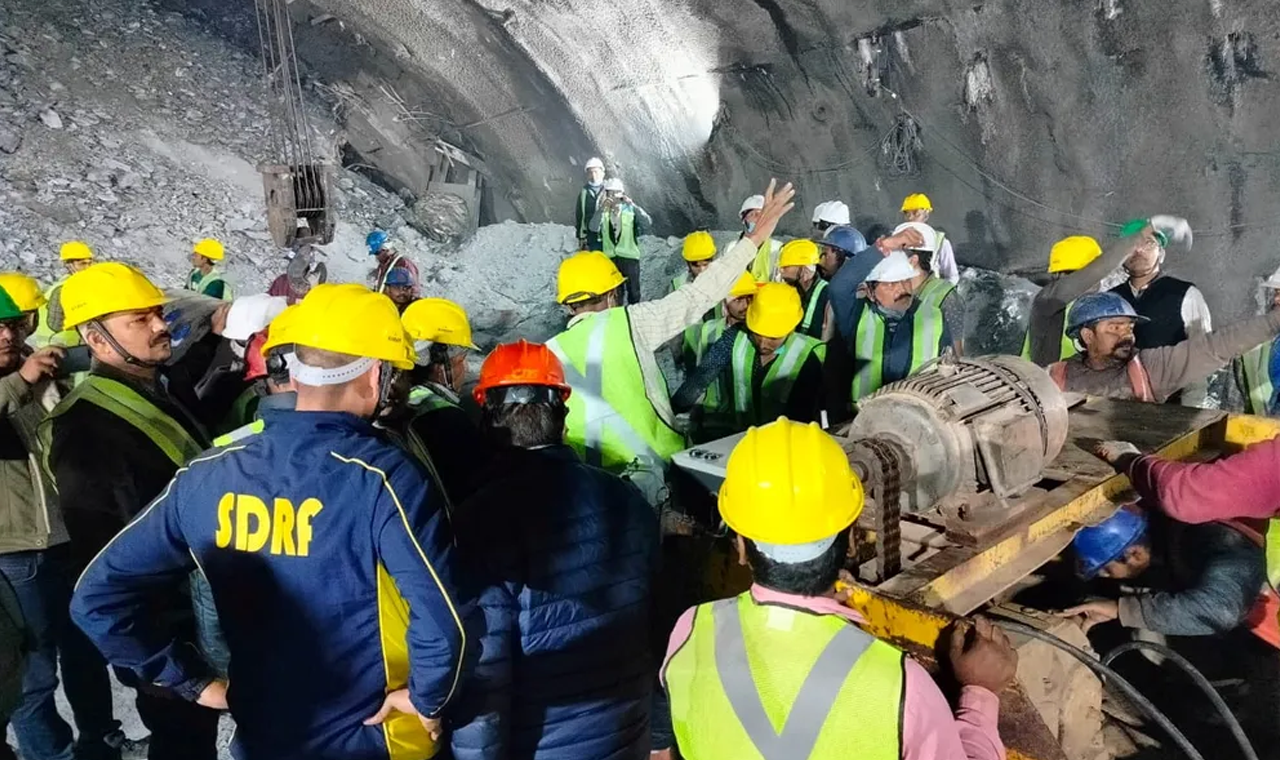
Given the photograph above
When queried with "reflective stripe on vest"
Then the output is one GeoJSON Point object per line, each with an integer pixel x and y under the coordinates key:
{"type": "Point", "coordinates": [240, 433]}
{"type": "Point", "coordinates": [1254, 378]}
{"type": "Point", "coordinates": [871, 340]}
{"type": "Point", "coordinates": [425, 399]}
{"type": "Point", "coordinates": [934, 290]}
{"type": "Point", "coordinates": [764, 267]}
{"type": "Point", "coordinates": [1139, 380]}
{"type": "Point", "coordinates": [811, 309]}
{"type": "Point", "coordinates": [215, 275]}
{"type": "Point", "coordinates": [778, 379]}
{"type": "Point", "coordinates": [611, 421]}
{"type": "Point", "coordinates": [130, 406]}
{"type": "Point", "coordinates": [679, 281]}
{"type": "Point", "coordinates": [777, 683]}
{"type": "Point", "coordinates": [626, 247]}
{"type": "Point", "coordinates": [382, 281]}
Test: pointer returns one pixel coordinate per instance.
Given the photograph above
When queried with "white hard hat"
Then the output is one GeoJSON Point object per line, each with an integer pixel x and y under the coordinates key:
{"type": "Point", "coordinates": [929, 234]}
{"type": "Point", "coordinates": [251, 314]}
{"type": "Point", "coordinates": [614, 185]}
{"type": "Point", "coordinates": [594, 163]}
{"type": "Point", "coordinates": [1273, 282]}
{"type": "Point", "coordinates": [832, 212]}
{"type": "Point", "coordinates": [895, 267]}
{"type": "Point", "coordinates": [754, 203]}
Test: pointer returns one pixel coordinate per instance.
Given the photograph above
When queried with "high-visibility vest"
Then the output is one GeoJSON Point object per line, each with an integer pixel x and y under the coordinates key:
{"type": "Point", "coordinates": [132, 407]}
{"type": "Point", "coordinates": [780, 376]}
{"type": "Point", "coordinates": [934, 291]}
{"type": "Point", "coordinates": [871, 341]}
{"type": "Point", "coordinates": [764, 267]}
{"type": "Point", "coordinates": [811, 310]}
{"type": "Point", "coordinates": [768, 682]}
{"type": "Point", "coordinates": [200, 282]}
{"type": "Point", "coordinates": [1253, 374]}
{"type": "Point", "coordinates": [627, 246]}
{"type": "Point", "coordinates": [716, 413]}
{"type": "Point", "coordinates": [44, 334]}
{"type": "Point", "coordinates": [1066, 350]}
{"type": "Point", "coordinates": [246, 430]}
{"type": "Point", "coordinates": [611, 421]}
{"type": "Point", "coordinates": [424, 398]}
{"type": "Point", "coordinates": [1139, 380]}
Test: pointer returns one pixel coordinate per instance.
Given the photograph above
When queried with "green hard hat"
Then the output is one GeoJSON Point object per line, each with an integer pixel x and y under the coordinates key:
{"type": "Point", "coordinates": [1134, 226]}
{"type": "Point", "coordinates": [8, 309]}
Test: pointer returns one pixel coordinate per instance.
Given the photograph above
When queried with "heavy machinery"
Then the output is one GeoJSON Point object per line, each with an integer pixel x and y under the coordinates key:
{"type": "Point", "coordinates": [978, 471]}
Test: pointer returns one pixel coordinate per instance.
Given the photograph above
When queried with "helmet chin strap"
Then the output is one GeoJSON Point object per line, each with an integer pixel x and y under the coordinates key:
{"type": "Point", "coordinates": [129, 358]}
{"type": "Point", "coordinates": [386, 378]}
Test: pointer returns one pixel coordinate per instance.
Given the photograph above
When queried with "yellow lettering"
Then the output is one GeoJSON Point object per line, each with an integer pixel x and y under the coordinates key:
{"type": "Point", "coordinates": [222, 538]}
{"type": "Point", "coordinates": [309, 509]}
{"type": "Point", "coordinates": [282, 528]}
{"type": "Point", "coordinates": [251, 540]}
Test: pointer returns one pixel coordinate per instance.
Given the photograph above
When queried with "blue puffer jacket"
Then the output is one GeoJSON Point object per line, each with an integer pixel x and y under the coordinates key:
{"type": "Point", "coordinates": [566, 667]}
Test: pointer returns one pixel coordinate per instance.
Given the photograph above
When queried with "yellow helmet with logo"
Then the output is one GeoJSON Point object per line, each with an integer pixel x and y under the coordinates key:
{"type": "Point", "coordinates": [438, 320]}
{"type": "Point", "coordinates": [346, 319]}
{"type": "Point", "coordinates": [917, 202]}
{"type": "Point", "coordinates": [106, 288]}
{"type": "Point", "coordinates": [75, 250]}
{"type": "Point", "coordinates": [586, 275]}
{"type": "Point", "coordinates": [789, 483]}
{"type": "Point", "coordinates": [775, 311]}
{"type": "Point", "coordinates": [1073, 253]}
{"type": "Point", "coordinates": [698, 246]}
{"type": "Point", "coordinates": [799, 253]}
{"type": "Point", "coordinates": [745, 286]}
{"type": "Point", "coordinates": [24, 291]}
{"type": "Point", "coordinates": [210, 249]}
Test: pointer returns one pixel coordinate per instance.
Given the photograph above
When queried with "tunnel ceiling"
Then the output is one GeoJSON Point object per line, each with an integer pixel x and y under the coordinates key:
{"type": "Point", "coordinates": [1034, 119]}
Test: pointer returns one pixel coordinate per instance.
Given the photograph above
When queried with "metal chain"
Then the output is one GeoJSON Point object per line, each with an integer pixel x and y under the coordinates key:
{"type": "Point", "coordinates": [886, 491]}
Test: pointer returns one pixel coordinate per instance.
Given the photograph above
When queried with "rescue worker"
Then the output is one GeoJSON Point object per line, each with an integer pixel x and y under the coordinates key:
{"type": "Point", "coordinates": [620, 223]}
{"type": "Point", "coordinates": [277, 388]}
{"type": "Point", "coordinates": [303, 272]}
{"type": "Point", "coordinates": [74, 256]}
{"type": "Point", "coordinates": [111, 446]}
{"type": "Point", "coordinates": [245, 329]}
{"type": "Point", "coordinates": [829, 214]}
{"type": "Point", "coordinates": [620, 414]}
{"type": "Point", "coordinates": [1175, 309]}
{"type": "Point", "coordinates": [697, 250]}
{"type": "Point", "coordinates": [1254, 376]}
{"type": "Point", "coordinates": [207, 277]}
{"type": "Point", "coordinates": [26, 295]}
{"type": "Point", "coordinates": [1207, 578]}
{"type": "Point", "coordinates": [928, 287]}
{"type": "Point", "coordinates": [585, 208]}
{"type": "Point", "coordinates": [798, 267]}
{"type": "Point", "coordinates": [318, 538]}
{"type": "Point", "coordinates": [706, 380]}
{"type": "Point", "coordinates": [1111, 364]}
{"type": "Point", "coordinates": [738, 667]}
{"type": "Point", "coordinates": [435, 428]}
{"type": "Point", "coordinates": [1076, 267]}
{"type": "Point", "coordinates": [918, 208]}
{"type": "Point", "coordinates": [382, 247]}
{"type": "Point", "coordinates": [844, 262]}
{"type": "Point", "coordinates": [400, 287]}
{"type": "Point", "coordinates": [568, 555]}
{"type": "Point", "coordinates": [894, 335]}
{"type": "Point", "coordinates": [764, 267]}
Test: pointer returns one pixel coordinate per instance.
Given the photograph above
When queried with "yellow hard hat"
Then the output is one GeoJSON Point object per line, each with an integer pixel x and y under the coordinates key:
{"type": "Point", "coordinates": [1073, 253]}
{"type": "Point", "coordinates": [347, 319]}
{"type": "Point", "coordinates": [438, 320]}
{"type": "Point", "coordinates": [210, 249]}
{"type": "Point", "coordinates": [106, 288]}
{"type": "Point", "coordinates": [775, 311]}
{"type": "Point", "coordinates": [280, 331]}
{"type": "Point", "coordinates": [916, 202]}
{"type": "Point", "coordinates": [789, 483]}
{"type": "Point", "coordinates": [75, 251]}
{"type": "Point", "coordinates": [799, 253]}
{"type": "Point", "coordinates": [698, 246]}
{"type": "Point", "coordinates": [24, 291]}
{"type": "Point", "coordinates": [586, 275]}
{"type": "Point", "coordinates": [745, 286]}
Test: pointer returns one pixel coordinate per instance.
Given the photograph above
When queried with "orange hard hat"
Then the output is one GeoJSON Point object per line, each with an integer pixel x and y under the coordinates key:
{"type": "Point", "coordinates": [521, 363]}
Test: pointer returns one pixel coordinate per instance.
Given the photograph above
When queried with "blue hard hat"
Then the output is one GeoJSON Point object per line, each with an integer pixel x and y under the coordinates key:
{"type": "Point", "coordinates": [400, 277]}
{"type": "Point", "coordinates": [846, 238]}
{"type": "Point", "coordinates": [376, 240]}
{"type": "Point", "coordinates": [1096, 307]}
{"type": "Point", "coordinates": [1097, 545]}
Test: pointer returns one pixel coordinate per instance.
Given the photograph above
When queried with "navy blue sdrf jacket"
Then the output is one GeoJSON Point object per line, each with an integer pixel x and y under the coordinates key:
{"type": "Point", "coordinates": [569, 553]}
{"type": "Point", "coordinates": [332, 569]}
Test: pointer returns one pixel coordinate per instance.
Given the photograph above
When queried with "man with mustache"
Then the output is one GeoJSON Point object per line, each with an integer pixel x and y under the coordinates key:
{"type": "Point", "coordinates": [1112, 364]}
{"type": "Point", "coordinates": [894, 334]}
{"type": "Point", "coordinates": [112, 445]}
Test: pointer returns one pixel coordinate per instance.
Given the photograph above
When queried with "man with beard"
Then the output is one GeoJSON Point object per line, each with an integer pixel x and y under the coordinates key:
{"type": "Point", "coordinates": [1175, 309]}
{"type": "Point", "coordinates": [894, 335]}
{"type": "Point", "coordinates": [928, 287]}
{"type": "Point", "coordinates": [798, 265]}
{"type": "Point", "coordinates": [1111, 364]}
{"type": "Point", "coordinates": [400, 288]}
{"type": "Point", "coordinates": [111, 446]}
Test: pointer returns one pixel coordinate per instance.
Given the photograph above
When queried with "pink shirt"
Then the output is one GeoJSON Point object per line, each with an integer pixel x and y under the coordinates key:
{"type": "Point", "coordinates": [1246, 484]}
{"type": "Point", "coordinates": [929, 731]}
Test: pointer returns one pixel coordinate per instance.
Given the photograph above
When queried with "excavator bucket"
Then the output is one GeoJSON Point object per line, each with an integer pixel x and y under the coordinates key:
{"type": "Point", "coordinates": [299, 203]}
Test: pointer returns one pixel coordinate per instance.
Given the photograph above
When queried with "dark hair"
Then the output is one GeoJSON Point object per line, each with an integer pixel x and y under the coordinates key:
{"type": "Point", "coordinates": [524, 425]}
{"type": "Point", "coordinates": [812, 578]}
{"type": "Point", "coordinates": [924, 259]}
{"type": "Point", "coordinates": [592, 301]}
